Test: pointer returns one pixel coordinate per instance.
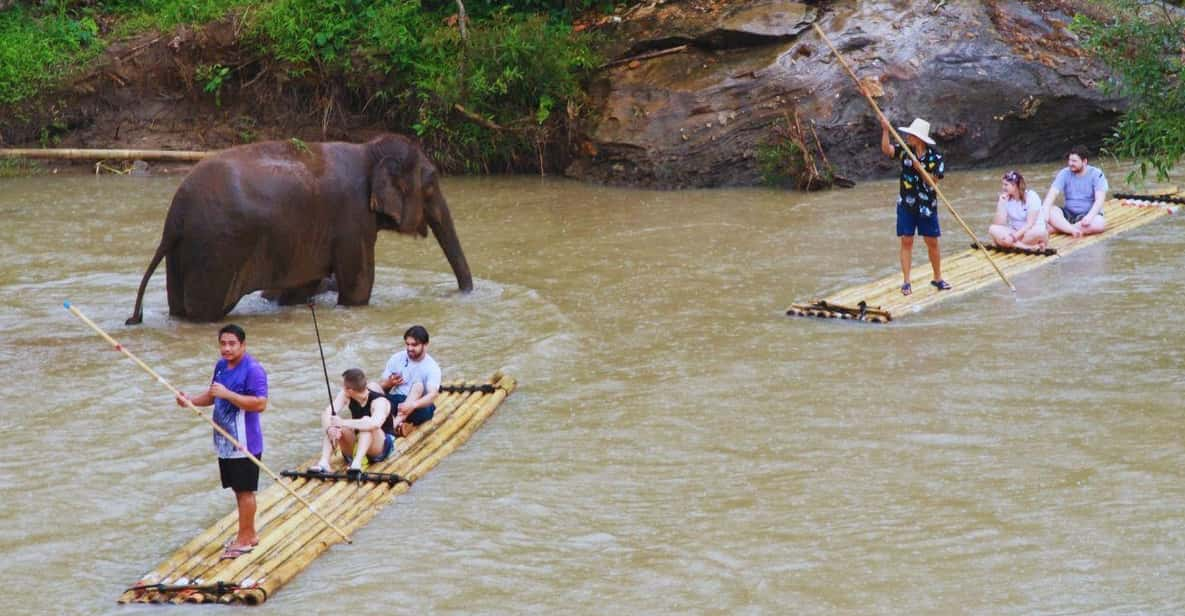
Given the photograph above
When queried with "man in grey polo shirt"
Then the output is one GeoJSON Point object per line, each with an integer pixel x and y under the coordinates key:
{"type": "Point", "coordinates": [1085, 189]}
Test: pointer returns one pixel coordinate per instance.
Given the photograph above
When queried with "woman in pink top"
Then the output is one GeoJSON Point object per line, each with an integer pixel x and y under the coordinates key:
{"type": "Point", "coordinates": [1020, 217]}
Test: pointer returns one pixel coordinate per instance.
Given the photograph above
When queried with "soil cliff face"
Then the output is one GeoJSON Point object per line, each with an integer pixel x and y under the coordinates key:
{"type": "Point", "coordinates": [1001, 81]}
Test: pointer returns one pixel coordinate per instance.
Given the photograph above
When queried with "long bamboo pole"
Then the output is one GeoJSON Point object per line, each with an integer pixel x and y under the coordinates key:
{"type": "Point", "coordinates": [81, 154]}
{"type": "Point", "coordinates": [921, 168]}
{"type": "Point", "coordinates": [190, 406]}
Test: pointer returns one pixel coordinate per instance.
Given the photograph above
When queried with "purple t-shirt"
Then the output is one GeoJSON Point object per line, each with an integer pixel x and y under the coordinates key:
{"type": "Point", "coordinates": [247, 379]}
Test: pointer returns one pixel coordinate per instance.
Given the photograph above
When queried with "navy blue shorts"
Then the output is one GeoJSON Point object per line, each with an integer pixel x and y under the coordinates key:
{"type": "Point", "coordinates": [417, 416]}
{"type": "Point", "coordinates": [911, 222]}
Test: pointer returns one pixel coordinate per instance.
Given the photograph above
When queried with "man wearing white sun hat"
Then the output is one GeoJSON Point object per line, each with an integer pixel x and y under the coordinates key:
{"type": "Point", "coordinates": [917, 203]}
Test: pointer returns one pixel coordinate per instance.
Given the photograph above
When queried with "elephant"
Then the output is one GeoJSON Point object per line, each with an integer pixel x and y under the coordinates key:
{"type": "Point", "coordinates": [284, 216]}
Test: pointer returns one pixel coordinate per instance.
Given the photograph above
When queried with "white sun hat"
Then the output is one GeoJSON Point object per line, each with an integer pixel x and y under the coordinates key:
{"type": "Point", "coordinates": [920, 129]}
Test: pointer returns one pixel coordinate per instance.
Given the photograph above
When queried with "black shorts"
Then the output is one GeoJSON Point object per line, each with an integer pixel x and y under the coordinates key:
{"type": "Point", "coordinates": [239, 474]}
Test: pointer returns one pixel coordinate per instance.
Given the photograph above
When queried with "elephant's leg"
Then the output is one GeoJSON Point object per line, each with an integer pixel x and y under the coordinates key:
{"type": "Point", "coordinates": [211, 293]}
{"type": "Point", "coordinates": [175, 283]}
{"type": "Point", "coordinates": [354, 271]}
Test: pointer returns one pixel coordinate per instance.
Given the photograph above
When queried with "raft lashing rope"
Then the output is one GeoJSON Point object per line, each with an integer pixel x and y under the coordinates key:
{"type": "Point", "coordinates": [882, 301]}
{"type": "Point", "coordinates": [1151, 200]}
{"type": "Point", "coordinates": [390, 478]}
{"type": "Point", "coordinates": [1016, 250]}
{"type": "Point", "coordinates": [290, 538]}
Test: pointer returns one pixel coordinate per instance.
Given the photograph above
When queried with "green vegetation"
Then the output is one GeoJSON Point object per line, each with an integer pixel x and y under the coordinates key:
{"type": "Point", "coordinates": [785, 160]}
{"type": "Point", "coordinates": [1143, 43]}
{"type": "Point", "coordinates": [513, 69]}
{"type": "Point", "coordinates": [19, 167]}
{"type": "Point", "coordinates": [38, 49]}
{"type": "Point", "coordinates": [212, 77]}
{"type": "Point", "coordinates": [485, 101]}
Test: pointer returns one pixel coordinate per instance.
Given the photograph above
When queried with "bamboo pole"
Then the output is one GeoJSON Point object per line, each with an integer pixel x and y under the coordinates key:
{"type": "Point", "coordinates": [82, 154]}
{"type": "Point", "coordinates": [921, 168]}
{"type": "Point", "coordinates": [190, 406]}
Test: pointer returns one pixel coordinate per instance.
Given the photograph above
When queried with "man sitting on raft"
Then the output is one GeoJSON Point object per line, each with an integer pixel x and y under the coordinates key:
{"type": "Point", "coordinates": [412, 381]}
{"type": "Point", "coordinates": [1085, 189]}
{"type": "Point", "coordinates": [368, 435]}
{"type": "Point", "coordinates": [1020, 217]}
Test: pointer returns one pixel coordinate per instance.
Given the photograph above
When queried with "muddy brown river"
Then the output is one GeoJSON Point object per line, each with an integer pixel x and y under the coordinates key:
{"type": "Point", "coordinates": [676, 445]}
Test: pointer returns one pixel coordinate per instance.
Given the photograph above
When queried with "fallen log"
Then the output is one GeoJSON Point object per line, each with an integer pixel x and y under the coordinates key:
{"type": "Point", "coordinates": [81, 154]}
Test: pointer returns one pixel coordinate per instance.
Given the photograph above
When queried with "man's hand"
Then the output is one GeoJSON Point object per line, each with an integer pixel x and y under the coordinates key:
{"type": "Point", "coordinates": [395, 380]}
{"type": "Point", "coordinates": [334, 433]}
{"type": "Point", "coordinates": [183, 400]}
{"type": "Point", "coordinates": [404, 408]}
{"type": "Point", "coordinates": [1076, 229]}
{"type": "Point", "coordinates": [218, 390]}
{"type": "Point", "coordinates": [1086, 221]}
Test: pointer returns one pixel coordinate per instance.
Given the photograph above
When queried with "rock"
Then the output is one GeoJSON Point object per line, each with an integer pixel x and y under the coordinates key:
{"type": "Point", "coordinates": [755, 62]}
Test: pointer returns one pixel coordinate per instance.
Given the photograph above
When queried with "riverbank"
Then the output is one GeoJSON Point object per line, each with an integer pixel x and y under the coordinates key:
{"type": "Point", "coordinates": [486, 91]}
{"type": "Point", "coordinates": [676, 94]}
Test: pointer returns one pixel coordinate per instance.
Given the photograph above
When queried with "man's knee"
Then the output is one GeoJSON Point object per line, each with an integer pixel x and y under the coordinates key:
{"type": "Point", "coordinates": [907, 241]}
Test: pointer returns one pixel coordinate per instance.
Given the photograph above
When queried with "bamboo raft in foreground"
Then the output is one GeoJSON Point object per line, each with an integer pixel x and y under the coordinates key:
{"type": "Point", "coordinates": [290, 537]}
{"type": "Point", "coordinates": [881, 301]}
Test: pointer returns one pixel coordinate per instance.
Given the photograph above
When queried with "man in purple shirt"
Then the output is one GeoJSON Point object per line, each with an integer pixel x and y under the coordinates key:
{"type": "Point", "coordinates": [238, 392]}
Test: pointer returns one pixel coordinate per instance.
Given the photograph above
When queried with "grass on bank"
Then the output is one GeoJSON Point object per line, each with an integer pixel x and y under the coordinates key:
{"type": "Point", "coordinates": [520, 68]}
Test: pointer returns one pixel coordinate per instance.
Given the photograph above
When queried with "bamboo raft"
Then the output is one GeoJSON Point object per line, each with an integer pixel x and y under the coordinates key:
{"type": "Point", "coordinates": [881, 301]}
{"type": "Point", "coordinates": [290, 536]}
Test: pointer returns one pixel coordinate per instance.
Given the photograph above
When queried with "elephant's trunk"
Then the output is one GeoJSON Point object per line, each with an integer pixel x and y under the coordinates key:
{"type": "Point", "coordinates": [442, 227]}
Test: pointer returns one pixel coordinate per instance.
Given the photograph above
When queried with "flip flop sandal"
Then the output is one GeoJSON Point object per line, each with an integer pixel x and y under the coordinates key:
{"type": "Point", "coordinates": [235, 551]}
{"type": "Point", "coordinates": [941, 285]}
{"type": "Point", "coordinates": [906, 289]}
{"type": "Point", "coordinates": [317, 470]}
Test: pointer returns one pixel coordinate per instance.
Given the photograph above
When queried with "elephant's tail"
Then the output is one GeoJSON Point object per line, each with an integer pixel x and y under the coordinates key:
{"type": "Point", "coordinates": [166, 243]}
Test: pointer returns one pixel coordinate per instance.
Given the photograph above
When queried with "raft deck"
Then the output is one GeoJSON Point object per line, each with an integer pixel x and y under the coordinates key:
{"type": "Point", "coordinates": [291, 537]}
{"type": "Point", "coordinates": [881, 301]}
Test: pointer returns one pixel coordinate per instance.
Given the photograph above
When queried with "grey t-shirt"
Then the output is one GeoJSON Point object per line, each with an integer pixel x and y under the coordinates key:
{"type": "Point", "coordinates": [1080, 189]}
{"type": "Point", "coordinates": [425, 371]}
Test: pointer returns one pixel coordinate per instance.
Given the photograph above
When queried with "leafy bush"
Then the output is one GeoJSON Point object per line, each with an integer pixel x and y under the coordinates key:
{"type": "Point", "coordinates": [514, 69]}
{"type": "Point", "coordinates": [1143, 44]}
{"type": "Point", "coordinates": [36, 51]}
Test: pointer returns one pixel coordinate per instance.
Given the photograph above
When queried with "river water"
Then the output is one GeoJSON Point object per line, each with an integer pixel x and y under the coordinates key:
{"type": "Point", "coordinates": [677, 444]}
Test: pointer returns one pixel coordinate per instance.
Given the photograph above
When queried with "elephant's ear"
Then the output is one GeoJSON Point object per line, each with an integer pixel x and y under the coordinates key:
{"type": "Point", "coordinates": [385, 196]}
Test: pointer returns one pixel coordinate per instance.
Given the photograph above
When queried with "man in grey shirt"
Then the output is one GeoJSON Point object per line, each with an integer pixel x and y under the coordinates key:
{"type": "Point", "coordinates": [1085, 189]}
